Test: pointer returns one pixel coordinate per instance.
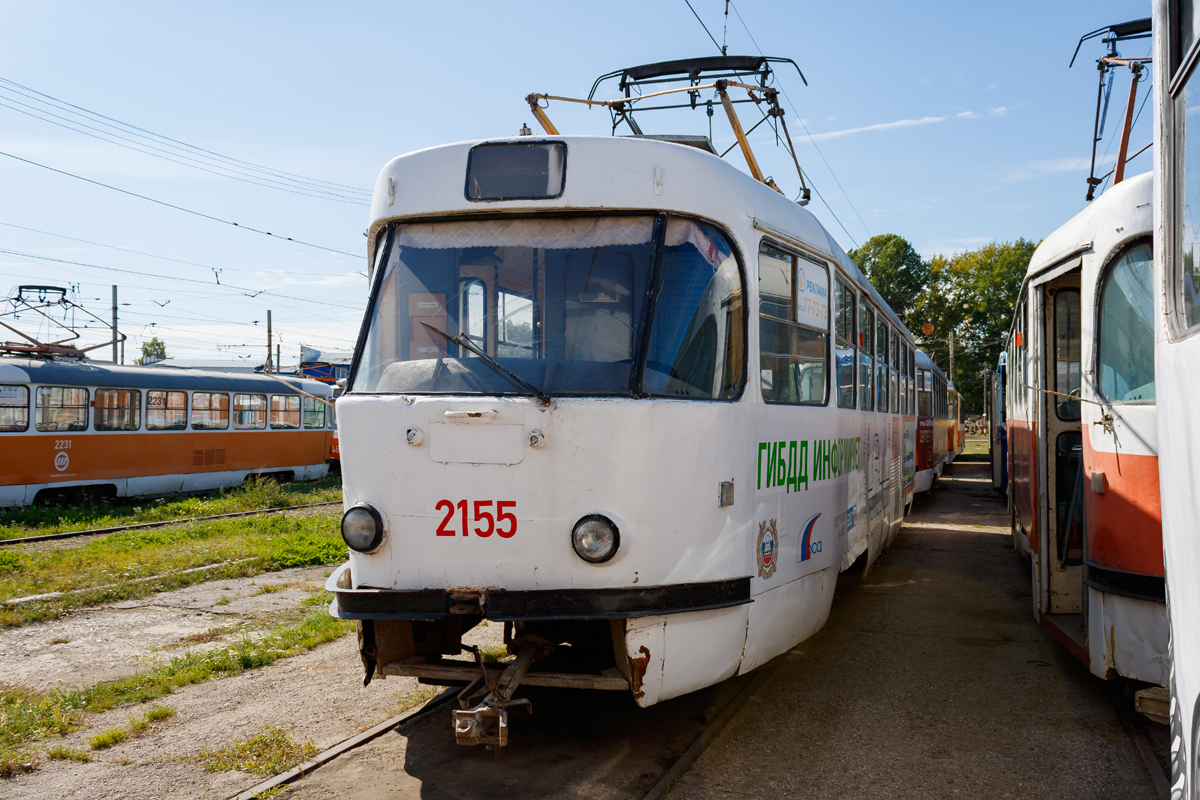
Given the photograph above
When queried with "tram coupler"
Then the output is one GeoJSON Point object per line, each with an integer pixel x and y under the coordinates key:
{"type": "Point", "coordinates": [486, 722]}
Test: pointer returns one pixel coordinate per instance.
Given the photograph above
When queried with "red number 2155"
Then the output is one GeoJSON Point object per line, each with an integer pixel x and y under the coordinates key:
{"type": "Point", "coordinates": [503, 523]}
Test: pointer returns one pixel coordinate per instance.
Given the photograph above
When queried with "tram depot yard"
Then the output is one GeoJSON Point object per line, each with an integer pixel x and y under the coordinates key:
{"type": "Point", "coordinates": [929, 680]}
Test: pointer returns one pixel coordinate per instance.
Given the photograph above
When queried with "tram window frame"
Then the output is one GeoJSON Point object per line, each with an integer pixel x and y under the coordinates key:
{"type": "Point", "coordinates": [1183, 271]}
{"type": "Point", "coordinates": [1064, 409]}
{"type": "Point", "coordinates": [881, 362]}
{"type": "Point", "coordinates": [9, 408]}
{"type": "Point", "coordinates": [170, 403]}
{"type": "Point", "coordinates": [894, 370]}
{"type": "Point", "coordinates": [280, 417]}
{"type": "Point", "coordinates": [311, 406]}
{"type": "Point", "coordinates": [40, 407]}
{"type": "Point", "coordinates": [1099, 363]}
{"type": "Point", "coordinates": [866, 354]}
{"type": "Point", "coordinates": [847, 321]}
{"type": "Point", "coordinates": [123, 416]}
{"type": "Point", "coordinates": [207, 410]}
{"type": "Point", "coordinates": [249, 415]}
{"type": "Point", "coordinates": [924, 392]}
{"type": "Point", "coordinates": [801, 335]}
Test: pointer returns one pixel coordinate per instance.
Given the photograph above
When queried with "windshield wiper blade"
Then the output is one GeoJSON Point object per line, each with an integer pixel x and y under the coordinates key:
{"type": "Point", "coordinates": [512, 377]}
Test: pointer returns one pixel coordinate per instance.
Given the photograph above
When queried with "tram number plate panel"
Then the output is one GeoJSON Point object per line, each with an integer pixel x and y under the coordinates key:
{"type": "Point", "coordinates": [478, 517]}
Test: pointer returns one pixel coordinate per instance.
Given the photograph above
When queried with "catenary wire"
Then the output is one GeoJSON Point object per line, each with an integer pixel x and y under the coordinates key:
{"type": "Point", "coordinates": [64, 106]}
{"type": "Point", "coordinates": [180, 208]}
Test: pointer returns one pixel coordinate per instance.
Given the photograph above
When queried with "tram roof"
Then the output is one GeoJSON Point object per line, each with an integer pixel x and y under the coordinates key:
{"type": "Point", "coordinates": [693, 182]}
{"type": "Point", "coordinates": [85, 373]}
{"type": "Point", "coordinates": [1122, 213]}
{"type": "Point", "coordinates": [924, 361]}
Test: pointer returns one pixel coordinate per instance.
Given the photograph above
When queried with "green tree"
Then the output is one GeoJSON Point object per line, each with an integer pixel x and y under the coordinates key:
{"type": "Point", "coordinates": [971, 295]}
{"type": "Point", "coordinates": [895, 269]}
{"type": "Point", "coordinates": [152, 351]}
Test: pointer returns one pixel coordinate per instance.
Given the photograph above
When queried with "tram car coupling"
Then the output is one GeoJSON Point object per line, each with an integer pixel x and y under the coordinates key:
{"type": "Point", "coordinates": [620, 397]}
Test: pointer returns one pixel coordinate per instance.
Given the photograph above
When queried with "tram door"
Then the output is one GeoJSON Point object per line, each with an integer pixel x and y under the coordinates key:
{"type": "Point", "coordinates": [1063, 450]}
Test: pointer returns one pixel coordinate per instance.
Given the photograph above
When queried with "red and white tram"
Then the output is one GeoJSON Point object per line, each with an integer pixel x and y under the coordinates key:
{"type": "Point", "coordinates": [110, 431]}
{"type": "Point", "coordinates": [939, 431]}
{"type": "Point", "coordinates": [1177, 366]}
{"type": "Point", "coordinates": [1083, 440]}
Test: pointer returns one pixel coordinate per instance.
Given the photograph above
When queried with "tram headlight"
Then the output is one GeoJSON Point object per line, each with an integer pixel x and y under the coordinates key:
{"type": "Point", "coordinates": [595, 539]}
{"type": "Point", "coordinates": [362, 528]}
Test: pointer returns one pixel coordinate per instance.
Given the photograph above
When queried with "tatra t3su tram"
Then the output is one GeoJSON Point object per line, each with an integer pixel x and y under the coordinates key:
{"type": "Point", "coordinates": [620, 396]}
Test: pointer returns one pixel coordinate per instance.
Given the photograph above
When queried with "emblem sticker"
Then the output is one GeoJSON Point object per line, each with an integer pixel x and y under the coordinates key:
{"type": "Point", "coordinates": [768, 543]}
{"type": "Point", "coordinates": [61, 461]}
{"type": "Point", "coordinates": [807, 546]}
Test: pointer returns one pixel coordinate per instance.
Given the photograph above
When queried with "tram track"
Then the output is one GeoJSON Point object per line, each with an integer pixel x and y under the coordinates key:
{"type": "Point", "coordinates": [47, 537]}
{"type": "Point", "coordinates": [744, 688]}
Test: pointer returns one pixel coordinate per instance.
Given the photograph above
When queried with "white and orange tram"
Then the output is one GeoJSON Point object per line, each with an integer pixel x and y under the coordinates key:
{"type": "Point", "coordinates": [1082, 437]}
{"type": "Point", "coordinates": [1177, 367]}
{"type": "Point", "coordinates": [71, 428]}
{"type": "Point", "coordinates": [939, 429]}
{"type": "Point", "coordinates": [620, 396]}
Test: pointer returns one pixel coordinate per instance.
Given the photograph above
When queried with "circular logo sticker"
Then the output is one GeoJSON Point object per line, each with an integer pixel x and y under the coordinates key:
{"type": "Point", "coordinates": [768, 543]}
{"type": "Point", "coordinates": [61, 460]}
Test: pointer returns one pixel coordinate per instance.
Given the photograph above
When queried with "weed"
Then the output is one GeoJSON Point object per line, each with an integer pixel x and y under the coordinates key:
{"type": "Point", "coordinates": [271, 751]}
{"type": "Point", "coordinates": [153, 714]}
{"type": "Point", "coordinates": [409, 701]}
{"type": "Point", "coordinates": [60, 640]}
{"type": "Point", "coordinates": [108, 738]}
{"type": "Point", "coordinates": [494, 655]}
{"type": "Point", "coordinates": [204, 637]}
{"type": "Point", "coordinates": [9, 561]}
{"type": "Point", "coordinates": [224, 601]}
{"type": "Point", "coordinates": [14, 761]}
{"type": "Point", "coordinates": [67, 754]}
{"type": "Point", "coordinates": [270, 588]}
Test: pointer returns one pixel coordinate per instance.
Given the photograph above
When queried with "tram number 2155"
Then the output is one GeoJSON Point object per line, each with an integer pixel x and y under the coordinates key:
{"type": "Point", "coordinates": [503, 523]}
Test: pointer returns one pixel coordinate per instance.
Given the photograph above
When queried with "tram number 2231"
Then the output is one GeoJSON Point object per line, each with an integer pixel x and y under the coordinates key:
{"type": "Point", "coordinates": [503, 523]}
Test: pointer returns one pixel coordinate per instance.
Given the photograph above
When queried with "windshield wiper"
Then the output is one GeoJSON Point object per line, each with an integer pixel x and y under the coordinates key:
{"type": "Point", "coordinates": [512, 377]}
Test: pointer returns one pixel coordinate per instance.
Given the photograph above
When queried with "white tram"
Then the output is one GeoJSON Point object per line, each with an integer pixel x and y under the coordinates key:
{"type": "Point", "coordinates": [1177, 363]}
{"type": "Point", "coordinates": [620, 396]}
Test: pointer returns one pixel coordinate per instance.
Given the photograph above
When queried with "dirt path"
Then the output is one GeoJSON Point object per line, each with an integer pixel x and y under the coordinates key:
{"type": "Point", "coordinates": [318, 695]}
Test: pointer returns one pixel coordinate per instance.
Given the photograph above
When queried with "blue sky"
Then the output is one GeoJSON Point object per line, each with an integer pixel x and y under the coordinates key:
{"type": "Point", "coordinates": [949, 123]}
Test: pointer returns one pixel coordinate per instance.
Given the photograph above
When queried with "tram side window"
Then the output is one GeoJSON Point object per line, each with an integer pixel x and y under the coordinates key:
{"type": "Point", "coordinates": [866, 349]}
{"type": "Point", "coordinates": [285, 411]}
{"type": "Point", "coordinates": [1186, 266]}
{"type": "Point", "coordinates": [118, 409]}
{"type": "Point", "coordinates": [210, 411]}
{"type": "Point", "coordinates": [793, 326]}
{"type": "Point", "coordinates": [1126, 349]}
{"type": "Point", "coordinates": [881, 368]}
{"type": "Point", "coordinates": [906, 359]}
{"type": "Point", "coordinates": [14, 408]}
{"type": "Point", "coordinates": [314, 413]}
{"type": "Point", "coordinates": [845, 345]}
{"type": "Point", "coordinates": [61, 408]}
{"type": "Point", "coordinates": [166, 411]}
{"type": "Point", "coordinates": [1068, 344]}
{"type": "Point", "coordinates": [894, 372]}
{"type": "Point", "coordinates": [249, 411]}
{"type": "Point", "coordinates": [925, 393]}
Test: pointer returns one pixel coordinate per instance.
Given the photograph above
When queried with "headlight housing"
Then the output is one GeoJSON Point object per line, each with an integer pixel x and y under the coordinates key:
{"type": "Point", "coordinates": [362, 528]}
{"type": "Point", "coordinates": [595, 539]}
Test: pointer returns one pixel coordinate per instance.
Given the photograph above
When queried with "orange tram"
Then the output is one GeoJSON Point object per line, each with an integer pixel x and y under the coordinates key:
{"type": "Point", "coordinates": [939, 422]}
{"type": "Point", "coordinates": [78, 428]}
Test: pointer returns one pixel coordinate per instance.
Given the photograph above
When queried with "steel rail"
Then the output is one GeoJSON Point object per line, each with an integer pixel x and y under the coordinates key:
{"type": "Point", "coordinates": [141, 525]}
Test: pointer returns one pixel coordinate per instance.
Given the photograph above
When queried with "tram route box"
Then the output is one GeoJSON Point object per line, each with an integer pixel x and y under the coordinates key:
{"type": "Point", "coordinates": [430, 309]}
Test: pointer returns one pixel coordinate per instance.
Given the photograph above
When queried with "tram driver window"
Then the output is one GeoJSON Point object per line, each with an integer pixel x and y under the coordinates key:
{"type": "Point", "coordinates": [118, 409]}
{"type": "Point", "coordinates": [845, 351]}
{"type": "Point", "coordinates": [14, 408]}
{"type": "Point", "coordinates": [793, 326]}
{"type": "Point", "coordinates": [1126, 351]}
{"type": "Point", "coordinates": [1068, 344]}
{"type": "Point", "coordinates": [166, 411]}
{"type": "Point", "coordinates": [61, 408]}
{"type": "Point", "coordinates": [249, 411]}
{"type": "Point", "coordinates": [210, 411]}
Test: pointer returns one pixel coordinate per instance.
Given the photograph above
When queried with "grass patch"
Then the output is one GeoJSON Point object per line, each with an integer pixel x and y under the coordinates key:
{"type": "Point", "coordinates": [261, 493]}
{"type": "Point", "coordinates": [270, 588]}
{"type": "Point", "coordinates": [203, 637]}
{"type": "Point", "coordinates": [108, 568]}
{"type": "Point", "coordinates": [68, 754]}
{"type": "Point", "coordinates": [27, 715]}
{"type": "Point", "coordinates": [269, 752]}
{"type": "Point", "coordinates": [494, 655]}
{"type": "Point", "coordinates": [410, 701]}
{"type": "Point", "coordinates": [108, 738]}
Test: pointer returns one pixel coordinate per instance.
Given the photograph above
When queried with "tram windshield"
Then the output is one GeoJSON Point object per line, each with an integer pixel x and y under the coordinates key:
{"type": "Point", "coordinates": [570, 306]}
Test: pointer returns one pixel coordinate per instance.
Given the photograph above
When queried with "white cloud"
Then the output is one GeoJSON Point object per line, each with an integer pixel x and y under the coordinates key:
{"type": "Point", "coordinates": [881, 126]}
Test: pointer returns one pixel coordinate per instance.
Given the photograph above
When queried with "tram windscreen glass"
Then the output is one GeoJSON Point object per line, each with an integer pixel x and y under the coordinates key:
{"type": "Point", "coordinates": [532, 171]}
{"type": "Point", "coordinates": [562, 303]}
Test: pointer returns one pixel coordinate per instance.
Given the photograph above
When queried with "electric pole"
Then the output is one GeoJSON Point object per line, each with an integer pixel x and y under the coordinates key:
{"type": "Point", "coordinates": [114, 325]}
{"type": "Point", "coordinates": [267, 367]}
{"type": "Point", "coordinates": [952, 356]}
